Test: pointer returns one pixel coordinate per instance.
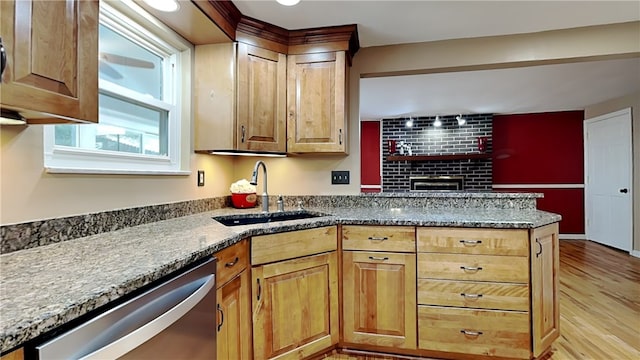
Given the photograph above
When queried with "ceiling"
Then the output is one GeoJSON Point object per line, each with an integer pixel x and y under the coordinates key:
{"type": "Point", "coordinates": [540, 88]}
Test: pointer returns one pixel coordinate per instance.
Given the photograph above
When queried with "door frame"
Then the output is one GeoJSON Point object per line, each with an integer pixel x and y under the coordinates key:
{"type": "Point", "coordinates": [627, 112]}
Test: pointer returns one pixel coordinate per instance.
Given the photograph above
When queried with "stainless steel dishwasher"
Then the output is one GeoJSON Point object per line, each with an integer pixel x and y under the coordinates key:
{"type": "Point", "coordinates": [174, 320]}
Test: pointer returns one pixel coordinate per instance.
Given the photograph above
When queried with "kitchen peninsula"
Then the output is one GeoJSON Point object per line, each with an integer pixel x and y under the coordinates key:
{"type": "Point", "coordinates": [501, 237]}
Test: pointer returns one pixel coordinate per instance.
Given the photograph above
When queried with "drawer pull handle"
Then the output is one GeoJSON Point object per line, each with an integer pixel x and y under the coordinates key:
{"type": "Point", "coordinates": [471, 333]}
{"type": "Point", "coordinates": [538, 253]}
{"type": "Point", "coordinates": [471, 268]}
{"type": "Point", "coordinates": [231, 264]}
{"type": "Point", "coordinates": [378, 258]}
{"type": "Point", "coordinates": [471, 242]}
{"type": "Point", "coordinates": [259, 288]}
{"type": "Point", "coordinates": [221, 317]}
{"type": "Point", "coordinates": [378, 238]}
{"type": "Point", "coordinates": [471, 296]}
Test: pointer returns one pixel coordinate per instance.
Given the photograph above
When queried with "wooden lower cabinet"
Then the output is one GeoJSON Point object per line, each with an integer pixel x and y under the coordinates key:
{"type": "Point", "coordinates": [234, 319]}
{"type": "Point", "coordinates": [379, 299]}
{"type": "Point", "coordinates": [474, 331]}
{"type": "Point", "coordinates": [295, 307]}
{"type": "Point", "coordinates": [545, 265]}
{"type": "Point", "coordinates": [488, 292]}
{"type": "Point", "coordinates": [233, 306]}
{"type": "Point", "coordinates": [14, 355]}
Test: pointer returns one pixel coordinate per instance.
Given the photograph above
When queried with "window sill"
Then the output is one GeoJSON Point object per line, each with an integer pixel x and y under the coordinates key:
{"type": "Point", "coordinates": [57, 170]}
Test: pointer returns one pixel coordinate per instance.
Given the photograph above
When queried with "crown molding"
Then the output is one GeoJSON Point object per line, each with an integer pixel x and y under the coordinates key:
{"type": "Point", "coordinates": [259, 33]}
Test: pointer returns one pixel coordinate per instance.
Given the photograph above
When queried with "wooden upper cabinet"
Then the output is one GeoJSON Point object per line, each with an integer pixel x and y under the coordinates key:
{"type": "Point", "coordinates": [316, 102]}
{"type": "Point", "coordinates": [215, 97]}
{"type": "Point", "coordinates": [261, 121]}
{"type": "Point", "coordinates": [52, 59]}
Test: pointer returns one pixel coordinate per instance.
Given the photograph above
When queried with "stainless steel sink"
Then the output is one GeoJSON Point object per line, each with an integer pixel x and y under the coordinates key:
{"type": "Point", "coordinates": [261, 218]}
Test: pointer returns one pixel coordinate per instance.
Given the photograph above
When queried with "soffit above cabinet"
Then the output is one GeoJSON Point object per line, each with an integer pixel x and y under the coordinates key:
{"type": "Point", "coordinates": [190, 22]}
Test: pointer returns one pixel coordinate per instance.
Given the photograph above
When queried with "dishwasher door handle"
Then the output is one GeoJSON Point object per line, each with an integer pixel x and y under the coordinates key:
{"type": "Point", "coordinates": [179, 306]}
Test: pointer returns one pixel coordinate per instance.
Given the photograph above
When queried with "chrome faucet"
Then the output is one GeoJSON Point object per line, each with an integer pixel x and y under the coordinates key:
{"type": "Point", "coordinates": [254, 181]}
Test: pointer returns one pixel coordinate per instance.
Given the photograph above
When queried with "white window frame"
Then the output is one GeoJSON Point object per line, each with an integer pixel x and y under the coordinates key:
{"type": "Point", "coordinates": [137, 25]}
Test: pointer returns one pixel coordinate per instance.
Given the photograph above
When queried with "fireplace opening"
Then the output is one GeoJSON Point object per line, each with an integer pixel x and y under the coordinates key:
{"type": "Point", "coordinates": [436, 183]}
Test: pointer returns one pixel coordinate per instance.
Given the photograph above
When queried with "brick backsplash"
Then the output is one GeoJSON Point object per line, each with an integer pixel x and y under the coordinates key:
{"type": "Point", "coordinates": [425, 139]}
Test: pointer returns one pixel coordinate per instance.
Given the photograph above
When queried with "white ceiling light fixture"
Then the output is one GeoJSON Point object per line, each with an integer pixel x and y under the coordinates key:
{"type": "Point", "coordinates": [437, 122]}
{"type": "Point", "coordinates": [409, 123]}
{"type": "Point", "coordinates": [288, 2]}
{"type": "Point", "coordinates": [461, 120]}
{"type": "Point", "coordinates": [163, 5]}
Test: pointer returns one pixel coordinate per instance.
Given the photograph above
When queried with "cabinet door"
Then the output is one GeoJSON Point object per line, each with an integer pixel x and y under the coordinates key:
{"type": "Point", "coordinates": [379, 299]}
{"type": "Point", "coordinates": [295, 307]}
{"type": "Point", "coordinates": [262, 82]}
{"type": "Point", "coordinates": [52, 58]}
{"type": "Point", "coordinates": [544, 284]}
{"type": "Point", "coordinates": [14, 355]}
{"type": "Point", "coordinates": [215, 96]}
{"type": "Point", "coordinates": [234, 319]}
{"type": "Point", "coordinates": [316, 98]}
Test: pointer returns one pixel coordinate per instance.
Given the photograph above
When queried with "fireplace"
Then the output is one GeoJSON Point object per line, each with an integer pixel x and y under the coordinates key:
{"type": "Point", "coordinates": [436, 183]}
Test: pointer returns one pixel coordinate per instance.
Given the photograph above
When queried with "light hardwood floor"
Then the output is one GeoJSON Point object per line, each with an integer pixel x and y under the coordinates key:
{"type": "Point", "coordinates": [599, 305]}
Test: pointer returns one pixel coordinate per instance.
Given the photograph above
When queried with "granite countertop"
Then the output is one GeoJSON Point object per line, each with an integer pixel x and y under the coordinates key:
{"type": "Point", "coordinates": [44, 287]}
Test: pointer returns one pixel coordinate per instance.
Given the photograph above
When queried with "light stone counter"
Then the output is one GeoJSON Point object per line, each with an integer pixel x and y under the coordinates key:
{"type": "Point", "coordinates": [44, 287]}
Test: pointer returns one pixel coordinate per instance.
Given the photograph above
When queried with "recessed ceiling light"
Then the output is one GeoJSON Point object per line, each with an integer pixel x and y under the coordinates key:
{"type": "Point", "coordinates": [288, 2]}
{"type": "Point", "coordinates": [163, 5]}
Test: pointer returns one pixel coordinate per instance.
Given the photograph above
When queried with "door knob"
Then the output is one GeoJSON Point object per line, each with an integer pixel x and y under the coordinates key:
{"type": "Point", "coordinates": [624, 191]}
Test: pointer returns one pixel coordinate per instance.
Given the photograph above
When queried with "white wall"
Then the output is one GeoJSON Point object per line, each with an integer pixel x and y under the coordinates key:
{"type": "Point", "coordinates": [28, 193]}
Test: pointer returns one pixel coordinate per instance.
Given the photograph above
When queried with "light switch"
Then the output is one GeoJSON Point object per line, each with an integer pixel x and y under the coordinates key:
{"type": "Point", "coordinates": [200, 177]}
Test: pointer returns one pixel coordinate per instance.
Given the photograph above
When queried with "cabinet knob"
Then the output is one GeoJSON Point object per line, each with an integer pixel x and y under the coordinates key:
{"type": "Point", "coordinates": [624, 191]}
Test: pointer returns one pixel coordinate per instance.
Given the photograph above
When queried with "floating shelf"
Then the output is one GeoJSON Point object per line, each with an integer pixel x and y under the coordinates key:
{"type": "Point", "coordinates": [438, 157]}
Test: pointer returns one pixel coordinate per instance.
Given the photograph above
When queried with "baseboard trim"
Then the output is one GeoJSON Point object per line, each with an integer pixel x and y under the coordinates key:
{"type": "Point", "coordinates": [572, 237]}
{"type": "Point", "coordinates": [635, 253]}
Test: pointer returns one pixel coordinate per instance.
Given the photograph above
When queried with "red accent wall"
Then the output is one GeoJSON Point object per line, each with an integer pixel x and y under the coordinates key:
{"type": "Point", "coordinates": [543, 148]}
{"type": "Point", "coordinates": [370, 153]}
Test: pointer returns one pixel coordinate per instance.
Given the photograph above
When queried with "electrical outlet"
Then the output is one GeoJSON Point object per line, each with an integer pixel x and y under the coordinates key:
{"type": "Point", "coordinates": [200, 177]}
{"type": "Point", "coordinates": [340, 177]}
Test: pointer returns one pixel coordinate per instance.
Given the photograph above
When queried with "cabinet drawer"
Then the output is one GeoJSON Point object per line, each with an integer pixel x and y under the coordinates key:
{"type": "Point", "coordinates": [231, 261]}
{"type": "Point", "coordinates": [293, 244]}
{"type": "Point", "coordinates": [379, 238]}
{"type": "Point", "coordinates": [478, 332]}
{"type": "Point", "coordinates": [513, 269]}
{"type": "Point", "coordinates": [473, 241]}
{"type": "Point", "coordinates": [472, 294]}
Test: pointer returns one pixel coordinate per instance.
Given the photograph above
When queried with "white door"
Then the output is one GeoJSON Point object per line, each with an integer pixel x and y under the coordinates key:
{"type": "Point", "coordinates": [608, 169]}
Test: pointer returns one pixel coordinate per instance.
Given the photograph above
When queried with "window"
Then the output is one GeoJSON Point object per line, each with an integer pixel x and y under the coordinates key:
{"type": "Point", "coordinates": [144, 98]}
